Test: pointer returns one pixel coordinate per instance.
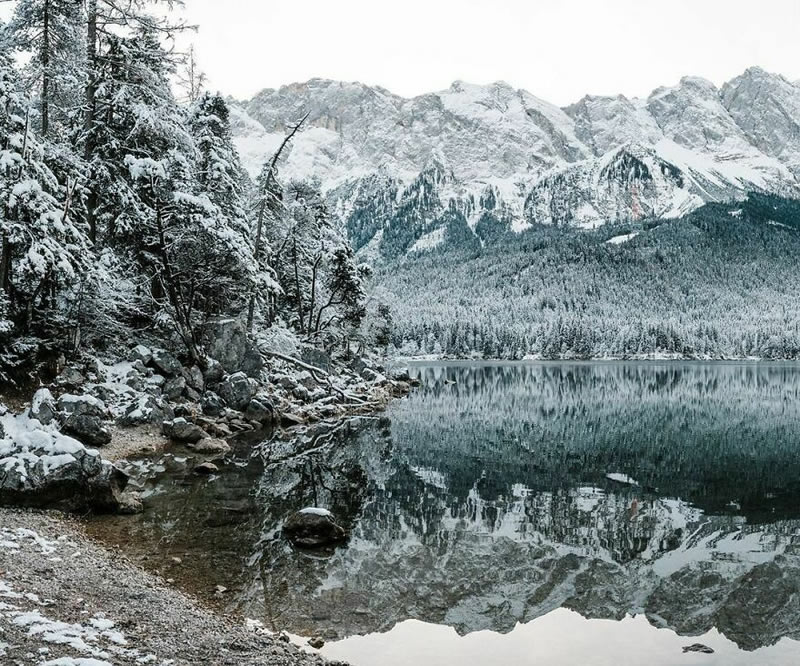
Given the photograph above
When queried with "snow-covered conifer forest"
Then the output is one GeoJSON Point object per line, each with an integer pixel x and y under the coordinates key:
{"type": "Point", "coordinates": [126, 214]}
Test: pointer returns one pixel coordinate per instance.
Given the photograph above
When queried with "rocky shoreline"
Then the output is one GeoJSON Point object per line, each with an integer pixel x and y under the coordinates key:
{"type": "Point", "coordinates": [66, 601]}
{"type": "Point", "coordinates": [59, 452]}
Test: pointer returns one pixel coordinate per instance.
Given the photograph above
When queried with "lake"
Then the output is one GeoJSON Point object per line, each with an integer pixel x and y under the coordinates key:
{"type": "Point", "coordinates": [515, 513]}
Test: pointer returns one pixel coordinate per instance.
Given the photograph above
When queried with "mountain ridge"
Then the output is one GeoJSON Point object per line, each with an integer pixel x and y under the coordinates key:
{"type": "Point", "coordinates": [515, 160]}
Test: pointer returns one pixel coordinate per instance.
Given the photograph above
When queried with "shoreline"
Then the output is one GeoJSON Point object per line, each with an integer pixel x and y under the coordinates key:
{"type": "Point", "coordinates": [74, 601]}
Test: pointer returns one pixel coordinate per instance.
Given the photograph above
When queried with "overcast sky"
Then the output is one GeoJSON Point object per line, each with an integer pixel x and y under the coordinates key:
{"type": "Point", "coordinates": [558, 50]}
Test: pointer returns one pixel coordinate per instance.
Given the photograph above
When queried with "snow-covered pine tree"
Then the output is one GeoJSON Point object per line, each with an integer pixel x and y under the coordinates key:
{"type": "Point", "coordinates": [51, 33]}
{"type": "Point", "coordinates": [44, 251]}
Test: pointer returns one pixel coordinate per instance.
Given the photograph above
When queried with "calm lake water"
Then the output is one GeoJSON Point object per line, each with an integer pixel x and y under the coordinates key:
{"type": "Point", "coordinates": [604, 513]}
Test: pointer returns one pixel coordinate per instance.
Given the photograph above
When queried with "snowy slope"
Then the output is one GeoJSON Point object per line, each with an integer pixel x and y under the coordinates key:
{"type": "Point", "coordinates": [479, 157]}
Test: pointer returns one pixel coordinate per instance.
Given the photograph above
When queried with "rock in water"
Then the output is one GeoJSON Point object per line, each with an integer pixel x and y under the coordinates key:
{"type": "Point", "coordinates": [698, 647]}
{"type": "Point", "coordinates": [206, 468]}
{"type": "Point", "coordinates": [313, 527]}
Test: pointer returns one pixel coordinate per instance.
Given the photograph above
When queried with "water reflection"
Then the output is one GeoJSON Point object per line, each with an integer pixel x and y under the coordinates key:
{"type": "Point", "coordinates": [497, 494]}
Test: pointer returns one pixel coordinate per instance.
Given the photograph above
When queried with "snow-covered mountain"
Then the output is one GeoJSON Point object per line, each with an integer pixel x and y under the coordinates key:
{"type": "Point", "coordinates": [403, 174]}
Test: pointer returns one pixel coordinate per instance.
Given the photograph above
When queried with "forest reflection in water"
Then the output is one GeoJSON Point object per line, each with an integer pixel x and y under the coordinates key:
{"type": "Point", "coordinates": [499, 492]}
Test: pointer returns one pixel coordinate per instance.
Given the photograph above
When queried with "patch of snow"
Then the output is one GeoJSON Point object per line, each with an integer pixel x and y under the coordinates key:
{"type": "Point", "coordinates": [622, 478]}
{"type": "Point", "coordinates": [316, 511]}
{"type": "Point", "coordinates": [624, 238]}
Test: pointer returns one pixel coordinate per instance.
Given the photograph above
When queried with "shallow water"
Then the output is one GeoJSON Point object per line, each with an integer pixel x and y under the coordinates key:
{"type": "Point", "coordinates": [641, 506]}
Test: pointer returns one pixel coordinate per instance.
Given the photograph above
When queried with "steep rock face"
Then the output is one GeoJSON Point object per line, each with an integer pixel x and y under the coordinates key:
{"type": "Point", "coordinates": [404, 175]}
{"type": "Point", "coordinates": [767, 108]}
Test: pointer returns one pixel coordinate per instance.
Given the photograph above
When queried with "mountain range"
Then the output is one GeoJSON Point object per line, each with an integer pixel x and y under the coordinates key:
{"type": "Point", "coordinates": [398, 172]}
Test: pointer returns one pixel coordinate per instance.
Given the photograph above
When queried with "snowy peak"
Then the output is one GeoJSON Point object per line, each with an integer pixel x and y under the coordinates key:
{"type": "Point", "coordinates": [507, 156]}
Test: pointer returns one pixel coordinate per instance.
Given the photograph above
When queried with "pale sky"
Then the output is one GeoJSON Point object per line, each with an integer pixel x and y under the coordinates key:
{"type": "Point", "coordinates": [557, 50]}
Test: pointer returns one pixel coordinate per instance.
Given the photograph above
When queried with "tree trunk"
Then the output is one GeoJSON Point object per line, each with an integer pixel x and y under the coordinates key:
{"type": "Point", "coordinates": [91, 109]}
{"type": "Point", "coordinates": [46, 69]}
{"type": "Point", "coordinates": [5, 265]}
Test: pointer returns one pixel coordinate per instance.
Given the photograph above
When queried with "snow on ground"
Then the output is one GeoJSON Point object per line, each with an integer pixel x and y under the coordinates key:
{"type": "Point", "coordinates": [316, 511]}
{"type": "Point", "coordinates": [624, 238]}
{"type": "Point", "coordinates": [622, 478]}
{"type": "Point", "coordinates": [93, 642]}
{"type": "Point", "coordinates": [429, 241]}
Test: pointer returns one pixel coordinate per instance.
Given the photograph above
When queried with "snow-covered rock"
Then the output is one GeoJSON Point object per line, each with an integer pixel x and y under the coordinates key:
{"type": "Point", "coordinates": [41, 467]}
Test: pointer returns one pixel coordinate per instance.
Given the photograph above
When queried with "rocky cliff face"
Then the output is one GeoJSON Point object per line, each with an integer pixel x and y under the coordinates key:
{"type": "Point", "coordinates": [407, 174]}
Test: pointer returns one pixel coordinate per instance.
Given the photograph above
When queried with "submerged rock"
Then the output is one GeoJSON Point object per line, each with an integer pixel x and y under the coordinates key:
{"type": "Point", "coordinates": [313, 527]}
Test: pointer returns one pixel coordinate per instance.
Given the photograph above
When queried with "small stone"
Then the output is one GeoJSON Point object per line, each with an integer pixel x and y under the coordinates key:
{"type": "Point", "coordinates": [220, 589]}
{"type": "Point", "coordinates": [698, 647]}
{"type": "Point", "coordinates": [130, 504]}
{"type": "Point", "coordinates": [316, 642]}
{"type": "Point", "coordinates": [210, 445]}
{"type": "Point", "coordinates": [177, 560]}
{"type": "Point", "coordinates": [174, 387]}
{"type": "Point", "coordinates": [182, 430]}
{"type": "Point", "coordinates": [141, 354]}
{"type": "Point", "coordinates": [291, 420]}
{"type": "Point", "coordinates": [206, 468]}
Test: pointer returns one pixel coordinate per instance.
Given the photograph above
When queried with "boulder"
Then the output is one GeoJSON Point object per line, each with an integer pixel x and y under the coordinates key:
{"type": "Point", "coordinates": [43, 407]}
{"type": "Point", "coordinates": [71, 377]}
{"type": "Point", "coordinates": [174, 387]}
{"type": "Point", "coordinates": [81, 405]}
{"type": "Point", "coordinates": [314, 356]}
{"type": "Point", "coordinates": [312, 528]}
{"type": "Point", "coordinates": [214, 371]}
{"type": "Point", "coordinates": [88, 429]}
{"type": "Point", "coordinates": [237, 390]}
{"type": "Point", "coordinates": [146, 409]}
{"type": "Point", "coordinates": [166, 362]}
{"type": "Point", "coordinates": [212, 404]}
{"type": "Point", "coordinates": [305, 378]}
{"type": "Point", "coordinates": [210, 445]}
{"type": "Point", "coordinates": [261, 410]}
{"type": "Point", "coordinates": [141, 354]}
{"type": "Point", "coordinates": [227, 341]}
{"type": "Point", "coordinates": [194, 378]}
{"type": "Point", "coordinates": [57, 472]}
{"type": "Point", "coordinates": [182, 430]}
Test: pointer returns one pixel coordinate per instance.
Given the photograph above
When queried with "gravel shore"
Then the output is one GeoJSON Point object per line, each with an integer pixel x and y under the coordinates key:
{"type": "Point", "coordinates": [67, 601]}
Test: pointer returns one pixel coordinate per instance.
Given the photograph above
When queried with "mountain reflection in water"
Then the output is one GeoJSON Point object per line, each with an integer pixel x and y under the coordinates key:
{"type": "Point", "coordinates": [496, 494]}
